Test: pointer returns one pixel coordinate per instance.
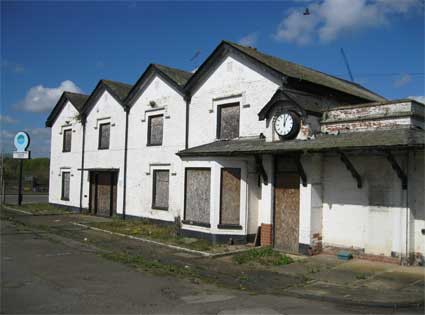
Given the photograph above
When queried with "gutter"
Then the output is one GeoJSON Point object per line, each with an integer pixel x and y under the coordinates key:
{"type": "Point", "coordinates": [127, 111]}
{"type": "Point", "coordinates": [187, 98]}
{"type": "Point", "coordinates": [83, 122]}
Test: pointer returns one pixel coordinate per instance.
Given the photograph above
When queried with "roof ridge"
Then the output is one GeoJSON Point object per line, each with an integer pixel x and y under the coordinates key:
{"type": "Point", "coordinates": [253, 50]}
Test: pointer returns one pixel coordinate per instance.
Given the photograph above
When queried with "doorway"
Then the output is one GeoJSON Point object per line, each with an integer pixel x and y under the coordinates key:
{"type": "Point", "coordinates": [286, 205]}
{"type": "Point", "coordinates": [103, 193]}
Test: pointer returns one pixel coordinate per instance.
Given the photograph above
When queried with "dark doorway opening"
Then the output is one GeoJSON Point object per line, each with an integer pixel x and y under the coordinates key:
{"type": "Point", "coordinates": [103, 193]}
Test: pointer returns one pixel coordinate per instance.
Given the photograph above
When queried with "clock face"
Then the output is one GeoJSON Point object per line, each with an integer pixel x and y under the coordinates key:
{"type": "Point", "coordinates": [286, 124]}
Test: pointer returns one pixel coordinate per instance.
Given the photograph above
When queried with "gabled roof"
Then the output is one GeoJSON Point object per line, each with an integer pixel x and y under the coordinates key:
{"type": "Point", "coordinates": [378, 139]}
{"type": "Point", "coordinates": [289, 69]}
{"type": "Point", "coordinates": [176, 77]}
{"type": "Point", "coordinates": [180, 77]}
{"type": "Point", "coordinates": [118, 90]}
{"type": "Point", "coordinates": [76, 99]}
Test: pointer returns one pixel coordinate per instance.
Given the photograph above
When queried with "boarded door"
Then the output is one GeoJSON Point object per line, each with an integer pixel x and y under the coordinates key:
{"type": "Point", "coordinates": [103, 193]}
{"type": "Point", "coordinates": [230, 196]}
{"type": "Point", "coordinates": [287, 210]}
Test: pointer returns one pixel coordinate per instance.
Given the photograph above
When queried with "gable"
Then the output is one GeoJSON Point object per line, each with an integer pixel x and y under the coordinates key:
{"type": "Point", "coordinates": [104, 104]}
{"type": "Point", "coordinates": [156, 89]}
{"type": "Point", "coordinates": [116, 90]}
{"type": "Point", "coordinates": [288, 71]}
{"type": "Point", "coordinates": [75, 100]}
{"type": "Point", "coordinates": [232, 72]}
{"type": "Point", "coordinates": [175, 78]}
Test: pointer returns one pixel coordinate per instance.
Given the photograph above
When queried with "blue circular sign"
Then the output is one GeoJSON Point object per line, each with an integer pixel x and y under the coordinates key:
{"type": "Point", "coordinates": [22, 141]}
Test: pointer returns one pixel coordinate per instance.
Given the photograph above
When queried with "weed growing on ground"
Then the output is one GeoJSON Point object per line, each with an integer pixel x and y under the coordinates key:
{"type": "Point", "coordinates": [148, 265]}
{"type": "Point", "coordinates": [147, 229]}
{"type": "Point", "coordinates": [263, 256]}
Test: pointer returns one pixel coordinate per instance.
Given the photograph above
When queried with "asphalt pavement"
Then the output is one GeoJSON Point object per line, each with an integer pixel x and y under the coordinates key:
{"type": "Point", "coordinates": [40, 275]}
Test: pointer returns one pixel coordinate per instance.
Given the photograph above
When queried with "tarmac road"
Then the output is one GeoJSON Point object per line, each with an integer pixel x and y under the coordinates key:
{"type": "Point", "coordinates": [41, 276]}
{"type": "Point", "coordinates": [36, 198]}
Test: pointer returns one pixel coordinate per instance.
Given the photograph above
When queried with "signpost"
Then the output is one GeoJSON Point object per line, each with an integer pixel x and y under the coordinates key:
{"type": "Point", "coordinates": [22, 141]}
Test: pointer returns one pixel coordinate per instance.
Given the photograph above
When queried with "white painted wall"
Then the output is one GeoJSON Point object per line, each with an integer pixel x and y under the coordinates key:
{"type": "Point", "coordinates": [65, 161]}
{"type": "Point", "coordinates": [233, 80]}
{"type": "Point", "coordinates": [143, 159]}
{"type": "Point", "coordinates": [106, 109]}
{"type": "Point", "coordinates": [373, 217]}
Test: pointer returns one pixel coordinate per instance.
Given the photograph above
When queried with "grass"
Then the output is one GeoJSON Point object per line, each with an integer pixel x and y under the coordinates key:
{"type": "Point", "coordinates": [146, 229]}
{"type": "Point", "coordinates": [40, 208]}
{"type": "Point", "coordinates": [148, 265]}
{"type": "Point", "coordinates": [263, 256]}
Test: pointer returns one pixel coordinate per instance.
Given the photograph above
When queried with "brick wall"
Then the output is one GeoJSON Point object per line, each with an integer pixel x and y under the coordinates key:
{"type": "Point", "coordinates": [266, 234]}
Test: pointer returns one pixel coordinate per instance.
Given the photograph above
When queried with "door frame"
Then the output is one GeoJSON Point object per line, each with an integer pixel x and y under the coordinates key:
{"type": "Point", "coordinates": [94, 194]}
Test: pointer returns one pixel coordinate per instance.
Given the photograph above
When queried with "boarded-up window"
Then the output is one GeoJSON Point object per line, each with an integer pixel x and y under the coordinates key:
{"type": "Point", "coordinates": [160, 189]}
{"type": "Point", "coordinates": [230, 196]}
{"type": "Point", "coordinates": [67, 135]}
{"type": "Point", "coordinates": [228, 121]}
{"type": "Point", "coordinates": [155, 129]}
{"type": "Point", "coordinates": [197, 195]}
{"type": "Point", "coordinates": [66, 177]}
{"type": "Point", "coordinates": [104, 135]}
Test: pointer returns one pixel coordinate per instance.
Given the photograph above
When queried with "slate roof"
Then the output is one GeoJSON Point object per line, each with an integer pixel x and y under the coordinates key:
{"type": "Point", "coordinates": [77, 100]}
{"type": "Point", "coordinates": [118, 88]}
{"type": "Point", "coordinates": [381, 139]}
{"type": "Point", "coordinates": [297, 71]}
{"type": "Point", "coordinates": [180, 77]}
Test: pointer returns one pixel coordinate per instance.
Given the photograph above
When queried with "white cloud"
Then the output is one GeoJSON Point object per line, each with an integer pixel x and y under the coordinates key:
{"type": "Point", "coordinates": [7, 119]}
{"type": "Point", "coordinates": [249, 40]}
{"type": "Point", "coordinates": [330, 19]}
{"type": "Point", "coordinates": [42, 99]}
{"type": "Point", "coordinates": [418, 98]}
{"type": "Point", "coordinates": [402, 80]}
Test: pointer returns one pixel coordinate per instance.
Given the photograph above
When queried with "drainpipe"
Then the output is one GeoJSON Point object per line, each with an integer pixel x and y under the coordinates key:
{"type": "Point", "coordinates": [127, 111]}
{"type": "Point", "coordinates": [407, 210]}
{"type": "Point", "coordinates": [187, 98]}
{"type": "Point", "coordinates": [83, 122]}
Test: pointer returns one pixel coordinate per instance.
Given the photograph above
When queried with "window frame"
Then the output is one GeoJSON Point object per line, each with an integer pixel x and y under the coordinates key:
{"type": "Point", "coordinates": [148, 142]}
{"type": "Point", "coordinates": [65, 131]}
{"type": "Point", "coordinates": [191, 222]}
{"type": "Point", "coordinates": [63, 186]}
{"type": "Point", "coordinates": [99, 147]}
{"type": "Point", "coordinates": [218, 127]}
{"type": "Point", "coordinates": [154, 174]}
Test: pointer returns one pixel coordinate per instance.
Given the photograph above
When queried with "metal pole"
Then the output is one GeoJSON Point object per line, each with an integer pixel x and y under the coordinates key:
{"type": "Point", "coordinates": [20, 182]}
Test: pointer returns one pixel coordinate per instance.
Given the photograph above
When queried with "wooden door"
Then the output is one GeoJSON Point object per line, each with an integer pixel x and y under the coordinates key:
{"type": "Point", "coordinates": [103, 193]}
{"type": "Point", "coordinates": [287, 211]}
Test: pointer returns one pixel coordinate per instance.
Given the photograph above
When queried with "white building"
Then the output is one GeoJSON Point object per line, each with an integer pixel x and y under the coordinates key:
{"type": "Point", "coordinates": [248, 145]}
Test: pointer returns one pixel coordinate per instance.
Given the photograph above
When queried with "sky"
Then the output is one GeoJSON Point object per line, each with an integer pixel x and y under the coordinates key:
{"type": "Point", "coordinates": [49, 47]}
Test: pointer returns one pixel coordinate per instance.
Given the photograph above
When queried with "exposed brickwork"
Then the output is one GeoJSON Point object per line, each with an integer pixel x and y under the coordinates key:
{"type": "Point", "coordinates": [266, 234]}
{"type": "Point", "coordinates": [316, 244]}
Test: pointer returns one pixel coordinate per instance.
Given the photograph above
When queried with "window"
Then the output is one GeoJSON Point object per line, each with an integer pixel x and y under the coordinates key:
{"type": "Point", "coordinates": [228, 121]}
{"type": "Point", "coordinates": [66, 177]}
{"type": "Point", "coordinates": [197, 196]}
{"type": "Point", "coordinates": [155, 129]}
{"type": "Point", "coordinates": [160, 189]}
{"type": "Point", "coordinates": [230, 197]}
{"type": "Point", "coordinates": [67, 135]}
{"type": "Point", "coordinates": [104, 135]}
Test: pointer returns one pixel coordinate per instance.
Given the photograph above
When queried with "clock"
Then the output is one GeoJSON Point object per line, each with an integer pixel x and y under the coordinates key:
{"type": "Point", "coordinates": [286, 124]}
